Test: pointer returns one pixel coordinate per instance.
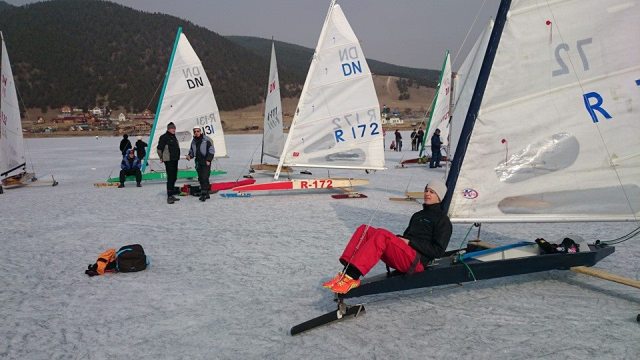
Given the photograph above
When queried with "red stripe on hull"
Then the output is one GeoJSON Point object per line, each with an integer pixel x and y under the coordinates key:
{"type": "Point", "coordinates": [231, 184]}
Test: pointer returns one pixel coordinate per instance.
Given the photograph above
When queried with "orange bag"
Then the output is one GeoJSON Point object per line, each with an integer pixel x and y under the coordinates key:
{"type": "Point", "coordinates": [105, 262]}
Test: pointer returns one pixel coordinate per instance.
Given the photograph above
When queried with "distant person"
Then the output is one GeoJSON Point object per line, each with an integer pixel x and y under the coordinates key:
{"type": "Point", "coordinates": [130, 165]}
{"type": "Point", "coordinates": [426, 238]}
{"type": "Point", "coordinates": [398, 140]}
{"type": "Point", "coordinates": [419, 138]}
{"type": "Point", "coordinates": [414, 140]}
{"type": "Point", "coordinates": [393, 145]}
{"type": "Point", "coordinates": [202, 151]}
{"type": "Point", "coordinates": [125, 144]}
{"type": "Point", "coordinates": [141, 148]}
{"type": "Point", "coordinates": [384, 138]}
{"type": "Point", "coordinates": [436, 143]}
{"type": "Point", "coordinates": [169, 154]}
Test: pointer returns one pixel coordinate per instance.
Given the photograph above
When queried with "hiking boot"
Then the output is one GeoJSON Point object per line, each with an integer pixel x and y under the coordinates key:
{"type": "Point", "coordinates": [203, 197]}
{"type": "Point", "coordinates": [170, 200]}
{"type": "Point", "coordinates": [120, 186]}
{"type": "Point", "coordinates": [345, 284]}
{"type": "Point", "coordinates": [138, 185]}
{"type": "Point", "coordinates": [329, 284]}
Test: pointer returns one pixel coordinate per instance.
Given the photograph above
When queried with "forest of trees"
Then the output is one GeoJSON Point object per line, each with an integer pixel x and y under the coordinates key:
{"type": "Point", "coordinates": [86, 53]}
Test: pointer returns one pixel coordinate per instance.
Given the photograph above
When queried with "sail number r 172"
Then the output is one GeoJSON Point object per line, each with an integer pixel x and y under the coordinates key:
{"type": "Point", "coordinates": [355, 131]}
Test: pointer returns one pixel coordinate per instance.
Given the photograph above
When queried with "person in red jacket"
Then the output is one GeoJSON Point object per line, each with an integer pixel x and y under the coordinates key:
{"type": "Point", "coordinates": [425, 239]}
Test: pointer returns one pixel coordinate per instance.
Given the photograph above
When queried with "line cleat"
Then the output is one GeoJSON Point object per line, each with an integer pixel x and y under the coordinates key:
{"type": "Point", "coordinates": [345, 284]}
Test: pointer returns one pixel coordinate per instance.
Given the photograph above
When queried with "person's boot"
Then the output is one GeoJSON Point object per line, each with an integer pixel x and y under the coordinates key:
{"type": "Point", "coordinates": [203, 197]}
{"type": "Point", "coordinates": [121, 186]}
{"type": "Point", "coordinates": [170, 200]}
{"type": "Point", "coordinates": [138, 185]}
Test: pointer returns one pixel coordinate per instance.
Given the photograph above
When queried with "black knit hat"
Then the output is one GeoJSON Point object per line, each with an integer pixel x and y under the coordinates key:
{"type": "Point", "coordinates": [171, 125]}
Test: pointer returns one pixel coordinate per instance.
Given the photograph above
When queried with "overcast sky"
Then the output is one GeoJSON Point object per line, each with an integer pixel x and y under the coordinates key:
{"type": "Point", "coordinates": [412, 33]}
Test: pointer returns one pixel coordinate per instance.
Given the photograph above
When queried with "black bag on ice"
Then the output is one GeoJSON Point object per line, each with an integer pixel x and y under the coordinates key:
{"type": "Point", "coordinates": [131, 258]}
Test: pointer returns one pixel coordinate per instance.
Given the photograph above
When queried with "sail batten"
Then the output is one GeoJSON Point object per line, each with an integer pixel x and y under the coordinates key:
{"type": "Point", "coordinates": [557, 126]}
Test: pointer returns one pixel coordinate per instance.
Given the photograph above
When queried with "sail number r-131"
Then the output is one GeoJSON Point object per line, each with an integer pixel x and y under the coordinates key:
{"type": "Point", "coordinates": [205, 122]}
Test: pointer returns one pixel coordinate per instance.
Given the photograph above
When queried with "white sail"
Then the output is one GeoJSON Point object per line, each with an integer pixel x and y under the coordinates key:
{"type": "Point", "coordinates": [273, 141]}
{"type": "Point", "coordinates": [557, 137]}
{"type": "Point", "coordinates": [337, 122]}
{"type": "Point", "coordinates": [464, 82]}
{"type": "Point", "coordinates": [188, 101]}
{"type": "Point", "coordinates": [440, 111]}
{"type": "Point", "coordinates": [12, 159]}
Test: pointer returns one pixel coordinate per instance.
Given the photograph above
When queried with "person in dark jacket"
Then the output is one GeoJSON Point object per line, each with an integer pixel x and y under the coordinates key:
{"type": "Point", "coordinates": [419, 138]}
{"type": "Point", "coordinates": [141, 148]}
{"type": "Point", "coordinates": [169, 154]}
{"type": "Point", "coordinates": [202, 151]}
{"type": "Point", "coordinates": [436, 144]}
{"type": "Point", "coordinates": [130, 165]}
{"type": "Point", "coordinates": [125, 144]}
{"type": "Point", "coordinates": [414, 140]}
{"type": "Point", "coordinates": [398, 140]}
{"type": "Point", "coordinates": [426, 238]}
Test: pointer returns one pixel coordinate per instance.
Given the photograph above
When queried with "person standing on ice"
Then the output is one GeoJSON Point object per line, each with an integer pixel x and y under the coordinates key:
{"type": "Point", "coordinates": [125, 144]}
{"type": "Point", "coordinates": [436, 143]}
{"type": "Point", "coordinates": [398, 140]}
{"type": "Point", "coordinates": [425, 239]}
{"type": "Point", "coordinates": [169, 154]}
{"type": "Point", "coordinates": [141, 148]}
{"type": "Point", "coordinates": [130, 165]}
{"type": "Point", "coordinates": [202, 151]}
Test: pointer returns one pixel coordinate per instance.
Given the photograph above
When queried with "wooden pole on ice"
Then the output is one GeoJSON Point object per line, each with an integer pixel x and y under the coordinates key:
{"type": "Point", "coordinates": [607, 276]}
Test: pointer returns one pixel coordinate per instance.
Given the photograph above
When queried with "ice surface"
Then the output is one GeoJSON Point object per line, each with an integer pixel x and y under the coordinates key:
{"type": "Point", "coordinates": [229, 277]}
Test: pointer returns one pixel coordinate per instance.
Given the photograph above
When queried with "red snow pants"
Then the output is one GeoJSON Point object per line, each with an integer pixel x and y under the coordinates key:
{"type": "Point", "coordinates": [379, 244]}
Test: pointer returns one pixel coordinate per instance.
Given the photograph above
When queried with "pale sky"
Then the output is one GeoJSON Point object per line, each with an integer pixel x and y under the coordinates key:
{"type": "Point", "coordinates": [412, 33]}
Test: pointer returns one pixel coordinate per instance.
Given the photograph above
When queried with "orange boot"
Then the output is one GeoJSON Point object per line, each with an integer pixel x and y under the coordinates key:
{"type": "Point", "coordinates": [329, 284]}
{"type": "Point", "coordinates": [345, 284]}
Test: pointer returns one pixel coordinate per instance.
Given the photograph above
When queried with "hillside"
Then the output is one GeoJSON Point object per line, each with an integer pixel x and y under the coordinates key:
{"type": "Point", "coordinates": [296, 58]}
{"type": "Point", "coordinates": [86, 53]}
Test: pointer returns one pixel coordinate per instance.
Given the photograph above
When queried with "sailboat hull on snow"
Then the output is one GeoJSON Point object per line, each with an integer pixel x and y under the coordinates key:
{"type": "Point", "coordinates": [451, 270]}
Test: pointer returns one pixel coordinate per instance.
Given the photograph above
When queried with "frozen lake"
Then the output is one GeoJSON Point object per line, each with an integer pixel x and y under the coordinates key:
{"type": "Point", "coordinates": [229, 277]}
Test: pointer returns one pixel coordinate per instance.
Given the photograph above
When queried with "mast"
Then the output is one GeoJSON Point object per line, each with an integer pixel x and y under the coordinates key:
{"type": "Point", "coordinates": [476, 101]}
{"type": "Point", "coordinates": [433, 105]}
{"type": "Point", "coordinates": [164, 87]}
{"type": "Point", "coordinates": [304, 88]}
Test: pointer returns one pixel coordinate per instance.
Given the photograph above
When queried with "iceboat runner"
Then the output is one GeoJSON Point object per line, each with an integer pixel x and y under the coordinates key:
{"type": "Point", "coordinates": [337, 122]}
{"type": "Point", "coordinates": [187, 100]}
{"type": "Point", "coordinates": [574, 127]}
{"type": "Point", "coordinates": [13, 165]}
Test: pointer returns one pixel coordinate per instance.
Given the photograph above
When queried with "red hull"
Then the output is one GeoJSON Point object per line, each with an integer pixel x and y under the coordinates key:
{"type": "Point", "coordinates": [231, 184]}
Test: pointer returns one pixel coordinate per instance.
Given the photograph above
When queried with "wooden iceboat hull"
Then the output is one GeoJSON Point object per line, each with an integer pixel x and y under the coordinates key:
{"type": "Point", "coordinates": [270, 168]}
{"type": "Point", "coordinates": [445, 272]}
{"type": "Point", "coordinates": [18, 180]}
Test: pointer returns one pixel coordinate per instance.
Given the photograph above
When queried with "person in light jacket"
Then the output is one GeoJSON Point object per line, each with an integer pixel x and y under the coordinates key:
{"type": "Point", "coordinates": [202, 150]}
